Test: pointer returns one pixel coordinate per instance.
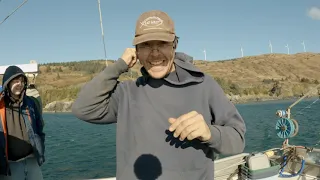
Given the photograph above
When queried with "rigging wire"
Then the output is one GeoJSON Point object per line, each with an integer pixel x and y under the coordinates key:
{"type": "Point", "coordinates": [102, 33]}
{"type": "Point", "coordinates": [308, 106]}
{"type": "Point", "coordinates": [25, 1]}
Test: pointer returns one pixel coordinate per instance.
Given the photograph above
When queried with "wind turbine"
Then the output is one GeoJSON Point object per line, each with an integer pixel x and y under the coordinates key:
{"type": "Point", "coordinates": [287, 46]}
{"type": "Point", "coordinates": [102, 33]}
{"type": "Point", "coordinates": [270, 46]}
{"type": "Point", "coordinates": [205, 54]}
{"type": "Point", "coordinates": [304, 46]}
{"type": "Point", "coordinates": [241, 52]}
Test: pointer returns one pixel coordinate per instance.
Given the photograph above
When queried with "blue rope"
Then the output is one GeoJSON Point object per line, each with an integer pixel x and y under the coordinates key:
{"type": "Point", "coordinates": [291, 175]}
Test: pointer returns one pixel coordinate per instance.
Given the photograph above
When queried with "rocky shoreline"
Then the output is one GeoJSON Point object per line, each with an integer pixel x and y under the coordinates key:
{"type": "Point", "coordinates": [236, 99]}
{"type": "Point", "coordinates": [58, 106]}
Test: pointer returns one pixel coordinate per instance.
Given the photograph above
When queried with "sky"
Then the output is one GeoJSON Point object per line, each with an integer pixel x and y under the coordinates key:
{"type": "Point", "coordinates": [69, 30]}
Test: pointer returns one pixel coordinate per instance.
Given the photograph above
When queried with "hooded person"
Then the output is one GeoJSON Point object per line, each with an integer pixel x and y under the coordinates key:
{"type": "Point", "coordinates": [170, 121]}
{"type": "Point", "coordinates": [21, 130]}
{"type": "Point", "coordinates": [34, 94]}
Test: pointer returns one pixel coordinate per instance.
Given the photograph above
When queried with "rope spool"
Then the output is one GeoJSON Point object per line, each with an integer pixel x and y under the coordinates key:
{"type": "Point", "coordinates": [296, 125]}
{"type": "Point", "coordinates": [287, 128]}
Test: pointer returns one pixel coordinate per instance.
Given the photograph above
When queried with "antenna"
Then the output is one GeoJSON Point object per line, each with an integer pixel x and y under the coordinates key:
{"type": "Point", "coordinates": [304, 46]}
{"type": "Point", "coordinates": [287, 46]}
{"type": "Point", "coordinates": [241, 52]}
{"type": "Point", "coordinates": [205, 54]}
{"type": "Point", "coordinates": [104, 45]}
{"type": "Point", "coordinates": [270, 46]}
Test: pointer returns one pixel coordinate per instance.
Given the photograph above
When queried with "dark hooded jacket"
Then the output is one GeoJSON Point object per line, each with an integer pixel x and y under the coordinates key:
{"type": "Point", "coordinates": [18, 142]}
{"type": "Point", "coordinates": [141, 109]}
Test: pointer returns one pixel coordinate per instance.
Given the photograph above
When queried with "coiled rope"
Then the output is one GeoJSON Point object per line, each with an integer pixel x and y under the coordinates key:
{"type": "Point", "coordinates": [286, 160]}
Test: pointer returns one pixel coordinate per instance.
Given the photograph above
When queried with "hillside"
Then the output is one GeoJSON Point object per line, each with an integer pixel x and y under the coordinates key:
{"type": "Point", "coordinates": [292, 74]}
{"type": "Point", "coordinates": [248, 78]}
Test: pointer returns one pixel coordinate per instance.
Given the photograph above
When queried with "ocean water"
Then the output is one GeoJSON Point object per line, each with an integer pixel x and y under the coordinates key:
{"type": "Point", "coordinates": [79, 150]}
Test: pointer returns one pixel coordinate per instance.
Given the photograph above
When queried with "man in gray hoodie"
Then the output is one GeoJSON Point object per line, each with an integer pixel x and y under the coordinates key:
{"type": "Point", "coordinates": [172, 119]}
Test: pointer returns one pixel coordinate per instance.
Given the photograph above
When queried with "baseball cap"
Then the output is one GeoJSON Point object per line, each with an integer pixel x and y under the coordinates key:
{"type": "Point", "coordinates": [154, 25]}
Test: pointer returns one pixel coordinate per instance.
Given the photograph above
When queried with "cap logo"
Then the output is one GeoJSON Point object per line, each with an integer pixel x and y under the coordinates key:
{"type": "Point", "coordinates": [151, 23]}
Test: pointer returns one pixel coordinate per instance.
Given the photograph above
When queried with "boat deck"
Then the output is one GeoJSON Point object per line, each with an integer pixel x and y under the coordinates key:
{"type": "Point", "coordinates": [225, 167]}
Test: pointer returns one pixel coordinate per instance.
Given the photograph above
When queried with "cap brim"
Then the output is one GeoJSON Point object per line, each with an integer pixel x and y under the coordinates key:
{"type": "Point", "coordinates": [153, 37]}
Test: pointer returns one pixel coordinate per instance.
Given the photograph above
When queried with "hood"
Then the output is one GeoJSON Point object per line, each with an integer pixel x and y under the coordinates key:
{"type": "Point", "coordinates": [11, 73]}
{"type": "Point", "coordinates": [185, 72]}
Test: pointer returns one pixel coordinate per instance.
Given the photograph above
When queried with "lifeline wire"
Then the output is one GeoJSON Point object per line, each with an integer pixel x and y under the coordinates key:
{"type": "Point", "coordinates": [13, 11]}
